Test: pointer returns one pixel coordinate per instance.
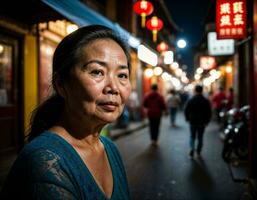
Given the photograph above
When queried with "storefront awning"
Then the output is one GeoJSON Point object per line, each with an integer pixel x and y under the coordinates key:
{"type": "Point", "coordinates": [82, 15]}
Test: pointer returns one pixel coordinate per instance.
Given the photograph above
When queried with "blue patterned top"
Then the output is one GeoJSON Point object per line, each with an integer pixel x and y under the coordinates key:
{"type": "Point", "coordinates": [50, 168]}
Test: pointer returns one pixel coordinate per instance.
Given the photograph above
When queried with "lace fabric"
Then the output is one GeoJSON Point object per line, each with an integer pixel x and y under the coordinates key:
{"type": "Point", "coordinates": [51, 181]}
{"type": "Point", "coordinates": [50, 168]}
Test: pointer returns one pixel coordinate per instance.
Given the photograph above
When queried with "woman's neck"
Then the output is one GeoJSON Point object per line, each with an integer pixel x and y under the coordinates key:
{"type": "Point", "coordinates": [74, 138]}
{"type": "Point", "coordinates": [75, 130]}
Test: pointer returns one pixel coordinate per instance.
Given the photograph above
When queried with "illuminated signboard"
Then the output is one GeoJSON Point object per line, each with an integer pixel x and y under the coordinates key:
{"type": "Point", "coordinates": [231, 19]}
{"type": "Point", "coordinates": [207, 62]}
{"type": "Point", "coordinates": [147, 55]}
{"type": "Point", "coordinates": [220, 47]}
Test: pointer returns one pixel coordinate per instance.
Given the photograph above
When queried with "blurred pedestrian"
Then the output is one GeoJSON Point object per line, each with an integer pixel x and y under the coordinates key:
{"type": "Point", "coordinates": [173, 103]}
{"type": "Point", "coordinates": [183, 97]}
{"type": "Point", "coordinates": [219, 101]}
{"type": "Point", "coordinates": [230, 98]}
{"type": "Point", "coordinates": [123, 120]}
{"type": "Point", "coordinates": [66, 157]}
{"type": "Point", "coordinates": [155, 105]}
{"type": "Point", "coordinates": [198, 114]}
{"type": "Point", "coordinates": [133, 106]}
{"type": "Point", "coordinates": [209, 95]}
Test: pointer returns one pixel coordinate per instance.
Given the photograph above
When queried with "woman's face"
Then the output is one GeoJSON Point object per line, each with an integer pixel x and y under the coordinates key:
{"type": "Point", "coordinates": [100, 84]}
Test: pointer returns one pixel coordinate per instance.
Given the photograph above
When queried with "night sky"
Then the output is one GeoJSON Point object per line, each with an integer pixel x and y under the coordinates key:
{"type": "Point", "coordinates": [189, 16]}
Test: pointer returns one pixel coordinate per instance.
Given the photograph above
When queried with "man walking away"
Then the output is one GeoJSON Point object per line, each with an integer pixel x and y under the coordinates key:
{"type": "Point", "coordinates": [155, 105]}
{"type": "Point", "coordinates": [198, 114]}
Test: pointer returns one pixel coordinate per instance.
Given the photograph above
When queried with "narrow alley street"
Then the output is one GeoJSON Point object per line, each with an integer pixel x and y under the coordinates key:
{"type": "Point", "coordinates": [167, 172]}
{"type": "Point", "coordinates": [72, 71]}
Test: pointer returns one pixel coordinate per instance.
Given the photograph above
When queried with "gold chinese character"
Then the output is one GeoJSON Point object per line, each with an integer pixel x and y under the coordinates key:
{"type": "Point", "coordinates": [143, 5]}
{"type": "Point", "coordinates": [227, 31]}
{"type": "Point", "coordinates": [238, 7]}
{"type": "Point", "coordinates": [240, 31]}
{"type": "Point", "coordinates": [225, 20]}
{"type": "Point", "coordinates": [238, 19]}
{"type": "Point", "coordinates": [233, 31]}
{"type": "Point", "coordinates": [225, 8]}
{"type": "Point", "coordinates": [154, 21]}
{"type": "Point", "coordinates": [222, 31]}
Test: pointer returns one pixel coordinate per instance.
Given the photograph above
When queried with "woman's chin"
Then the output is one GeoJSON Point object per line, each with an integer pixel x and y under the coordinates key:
{"type": "Point", "coordinates": [109, 119]}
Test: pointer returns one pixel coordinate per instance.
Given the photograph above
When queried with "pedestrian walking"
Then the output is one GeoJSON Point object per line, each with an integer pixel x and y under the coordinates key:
{"type": "Point", "coordinates": [198, 114]}
{"type": "Point", "coordinates": [173, 103]}
{"type": "Point", "coordinates": [183, 97]}
{"type": "Point", "coordinates": [218, 101]}
{"type": "Point", "coordinates": [230, 98]}
{"type": "Point", "coordinates": [66, 157]}
{"type": "Point", "coordinates": [133, 106]}
{"type": "Point", "coordinates": [155, 105]}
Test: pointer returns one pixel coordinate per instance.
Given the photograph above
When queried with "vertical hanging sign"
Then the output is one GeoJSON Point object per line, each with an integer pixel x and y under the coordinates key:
{"type": "Point", "coordinates": [231, 19]}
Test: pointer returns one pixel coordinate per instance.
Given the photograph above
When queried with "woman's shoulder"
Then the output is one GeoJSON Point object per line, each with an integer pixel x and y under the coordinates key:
{"type": "Point", "coordinates": [40, 165]}
{"type": "Point", "coordinates": [47, 146]}
{"type": "Point", "coordinates": [46, 140]}
{"type": "Point", "coordinates": [44, 156]}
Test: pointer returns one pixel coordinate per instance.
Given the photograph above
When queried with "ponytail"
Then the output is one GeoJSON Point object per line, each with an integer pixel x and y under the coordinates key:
{"type": "Point", "coordinates": [45, 116]}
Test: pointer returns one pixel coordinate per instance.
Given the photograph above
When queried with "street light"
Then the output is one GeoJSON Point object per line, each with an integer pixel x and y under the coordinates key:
{"type": "Point", "coordinates": [181, 43]}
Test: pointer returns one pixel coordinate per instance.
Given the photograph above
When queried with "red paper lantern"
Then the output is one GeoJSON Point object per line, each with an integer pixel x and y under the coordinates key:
{"type": "Point", "coordinates": [154, 24]}
{"type": "Point", "coordinates": [143, 8]}
{"type": "Point", "coordinates": [162, 47]}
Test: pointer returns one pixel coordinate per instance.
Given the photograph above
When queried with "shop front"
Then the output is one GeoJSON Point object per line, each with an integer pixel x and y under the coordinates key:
{"type": "Point", "coordinates": [10, 93]}
{"type": "Point", "coordinates": [50, 34]}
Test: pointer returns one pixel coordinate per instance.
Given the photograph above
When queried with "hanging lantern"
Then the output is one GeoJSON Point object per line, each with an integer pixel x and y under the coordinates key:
{"type": "Point", "coordinates": [154, 24]}
{"type": "Point", "coordinates": [161, 47]}
{"type": "Point", "coordinates": [143, 8]}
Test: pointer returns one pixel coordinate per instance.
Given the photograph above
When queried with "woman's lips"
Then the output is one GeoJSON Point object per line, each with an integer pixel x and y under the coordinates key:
{"type": "Point", "coordinates": [109, 106]}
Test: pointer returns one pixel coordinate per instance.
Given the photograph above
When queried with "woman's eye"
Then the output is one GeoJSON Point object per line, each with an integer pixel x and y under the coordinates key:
{"type": "Point", "coordinates": [97, 72]}
{"type": "Point", "coordinates": [123, 76]}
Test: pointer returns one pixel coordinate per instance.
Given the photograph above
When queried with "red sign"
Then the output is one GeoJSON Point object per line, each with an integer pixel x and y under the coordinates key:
{"type": "Point", "coordinates": [231, 19]}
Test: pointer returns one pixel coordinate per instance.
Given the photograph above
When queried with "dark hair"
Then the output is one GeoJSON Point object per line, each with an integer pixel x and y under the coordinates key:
{"type": "Point", "coordinates": [66, 56]}
{"type": "Point", "coordinates": [172, 91]}
{"type": "Point", "coordinates": [199, 89]}
{"type": "Point", "coordinates": [154, 87]}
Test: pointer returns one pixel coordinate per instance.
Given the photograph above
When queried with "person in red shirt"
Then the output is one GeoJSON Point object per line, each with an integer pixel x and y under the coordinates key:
{"type": "Point", "coordinates": [155, 104]}
{"type": "Point", "coordinates": [230, 98]}
{"type": "Point", "coordinates": [218, 100]}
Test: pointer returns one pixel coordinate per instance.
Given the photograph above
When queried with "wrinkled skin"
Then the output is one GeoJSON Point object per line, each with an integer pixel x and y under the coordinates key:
{"type": "Point", "coordinates": [99, 85]}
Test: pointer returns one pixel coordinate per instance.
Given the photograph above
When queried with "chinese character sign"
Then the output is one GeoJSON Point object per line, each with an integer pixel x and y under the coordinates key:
{"type": "Point", "coordinates": [231, 19]}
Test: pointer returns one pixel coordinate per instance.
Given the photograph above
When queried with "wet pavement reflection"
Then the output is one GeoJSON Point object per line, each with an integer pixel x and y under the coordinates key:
{"type": "Point", "coordinates": [167, 172]}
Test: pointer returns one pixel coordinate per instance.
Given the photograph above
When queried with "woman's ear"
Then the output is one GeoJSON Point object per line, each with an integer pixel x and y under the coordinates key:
{"type": "Point", "coordinates": [59, 87]}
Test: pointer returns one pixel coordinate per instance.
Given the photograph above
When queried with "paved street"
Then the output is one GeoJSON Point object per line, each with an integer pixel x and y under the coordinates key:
{"type": "Point", "coordinates": [167, 172]}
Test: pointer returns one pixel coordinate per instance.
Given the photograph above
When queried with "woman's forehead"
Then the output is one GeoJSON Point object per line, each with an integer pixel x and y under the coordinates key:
{"type": "Point", "coordinates": [102, 41]}
{"type": "Point", "coordinates": [104, 48]}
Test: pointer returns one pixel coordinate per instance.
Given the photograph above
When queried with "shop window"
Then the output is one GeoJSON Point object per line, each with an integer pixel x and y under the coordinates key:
{"type": "Point", "coordinates": [45, 70]}
{"type": "Point", "coordinates": [6, 74]}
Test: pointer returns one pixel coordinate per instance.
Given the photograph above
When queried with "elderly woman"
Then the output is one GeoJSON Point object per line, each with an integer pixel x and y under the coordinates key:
{"type": "Point", "coordinates": [66, 157]}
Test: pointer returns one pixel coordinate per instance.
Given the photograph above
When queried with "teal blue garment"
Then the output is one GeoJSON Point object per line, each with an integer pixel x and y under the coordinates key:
{"type": "Point", "coordinates": [50, 168]}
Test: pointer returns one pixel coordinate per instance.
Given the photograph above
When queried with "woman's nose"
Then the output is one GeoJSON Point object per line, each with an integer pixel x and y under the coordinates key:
{"type": "Point", "coordinates": [111, 86]}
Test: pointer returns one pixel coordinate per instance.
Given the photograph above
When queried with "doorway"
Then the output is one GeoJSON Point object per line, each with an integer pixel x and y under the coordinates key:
{"type": "Point", "coordinates": [11, 137]}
